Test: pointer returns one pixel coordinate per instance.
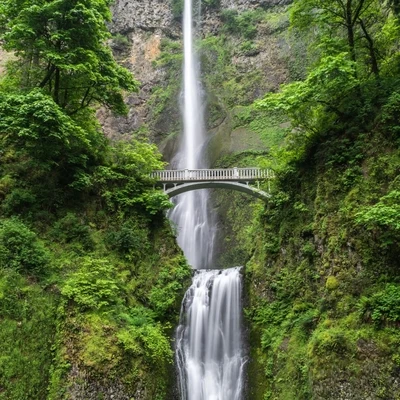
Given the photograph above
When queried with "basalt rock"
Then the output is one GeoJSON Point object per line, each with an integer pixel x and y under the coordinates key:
{"type": "Point", "coordinates": [146, 24]}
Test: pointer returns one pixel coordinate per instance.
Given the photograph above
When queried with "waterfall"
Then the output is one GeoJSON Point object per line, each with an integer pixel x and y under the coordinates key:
{"type": "Point", "coordinates": [209, 351]}
{"type": "Point", "coordinates": [192, 216]}
{"type": "Point", "coordinates": [209, 354]}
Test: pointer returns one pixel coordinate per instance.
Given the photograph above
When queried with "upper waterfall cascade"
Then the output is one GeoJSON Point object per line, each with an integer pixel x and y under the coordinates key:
{"type": "Point", "coordinates": [192, 216]}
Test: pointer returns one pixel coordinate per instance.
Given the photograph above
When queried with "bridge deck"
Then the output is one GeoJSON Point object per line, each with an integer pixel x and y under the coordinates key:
{"type": "Point", "coordinates": [222, 174]}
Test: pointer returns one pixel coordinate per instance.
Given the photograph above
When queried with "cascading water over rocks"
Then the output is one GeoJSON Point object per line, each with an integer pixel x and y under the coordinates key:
{"type": "Point", "coordinates": [209, 354]}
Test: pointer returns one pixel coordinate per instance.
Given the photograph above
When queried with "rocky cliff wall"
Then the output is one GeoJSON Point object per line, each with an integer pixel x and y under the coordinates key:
{"type": "Point", "coordinates": [138, 28]}
{"type": "Point", "coordinates": [236, 69]}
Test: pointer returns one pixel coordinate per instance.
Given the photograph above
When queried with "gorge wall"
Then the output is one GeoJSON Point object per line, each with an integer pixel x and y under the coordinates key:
{"type": "Point", "coordinates": [241, 60]}
{"type": "Point", "coordinates": [245, 51]}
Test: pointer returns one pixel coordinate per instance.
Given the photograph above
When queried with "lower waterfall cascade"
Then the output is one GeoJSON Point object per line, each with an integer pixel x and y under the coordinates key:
{"type": "Point", "coordinates": [209, 348]}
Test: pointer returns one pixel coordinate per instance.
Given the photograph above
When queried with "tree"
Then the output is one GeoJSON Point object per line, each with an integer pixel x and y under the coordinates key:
{"type": "Point", "coordinates": [355, 68]}
{"type": "Point", "coordinates": [124, 181]}
{"type": "Point", "coordinates": [43, 151]}
{"type": "Point", "coordinates": [322, 93]}
{"type": "Point", "coordinates": [357, 22]}
{"type": "Point", "coordinates": [62, 49]}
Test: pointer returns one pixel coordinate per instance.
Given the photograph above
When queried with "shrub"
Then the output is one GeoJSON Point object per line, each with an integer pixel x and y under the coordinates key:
{"type": "Point", "coordinates": [93, 286]}
{"type": "Point", "coordinates": [249, 48]}
{"type": "Point", "coordinates": [382, 307]}
{"type": "Point", "coordinates": [70, 228]}
{"type": "Point", "coordinates": [391, 113]}
{"type": "Point", "coordinates": [243, 24]}
{"type": "Point", "coordinates": [386, 213]}
{"type": "Point", "coordinates": [131, 240]}
{"type": "Point", "coordinates": [165, 294]}
{"type": "Point", "coordinates": [330, 340]}
{"type": "Point", "coordinates": [177, 8]}
{"type": "Point", "coordinates": [17, 201]}
{"type": "Point", "coordinates": [137, 316]}
{"type": "Point", "coordinates": [331, 283]}
{"type": "Point", "coordinates": [120, 42]}
{"type": "Point", "coordinates": [383, 218]}
{"type": "Point", "coordinates": [212, 3]}
{"type": "Point", "coordinates": [149, 340]}
{"type": "Point", "coordinates": [20, 249]}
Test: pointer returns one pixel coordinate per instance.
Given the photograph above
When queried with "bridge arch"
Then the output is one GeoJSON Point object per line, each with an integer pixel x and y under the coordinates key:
{"type": "Point", "coordinates": [238, 179]}
{"type": "Point", "coordinates": [241, 187]}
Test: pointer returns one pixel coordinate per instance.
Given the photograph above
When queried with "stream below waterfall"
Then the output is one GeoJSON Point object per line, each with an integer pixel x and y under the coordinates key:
{"type": "Point", "coordinates": [209, 344]}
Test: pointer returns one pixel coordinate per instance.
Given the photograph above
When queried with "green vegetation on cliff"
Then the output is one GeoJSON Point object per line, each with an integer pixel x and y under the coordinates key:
{"type": "Point", "coordinates": [90, 276]}
{"type": "Point", "coordinates": [323, 277]}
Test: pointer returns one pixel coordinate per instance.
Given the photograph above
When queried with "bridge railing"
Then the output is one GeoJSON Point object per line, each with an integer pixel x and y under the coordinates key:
{"type": "Point", "coordinates": [219, 174]}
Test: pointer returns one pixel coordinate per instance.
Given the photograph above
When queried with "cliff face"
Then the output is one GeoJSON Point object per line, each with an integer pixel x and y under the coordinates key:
{"type": "Point", "coordinates": [237, 68]}
{"type": "Point", "coordinates": [323, 288]}
{"type": "Point", "coordinates": [138, 28]}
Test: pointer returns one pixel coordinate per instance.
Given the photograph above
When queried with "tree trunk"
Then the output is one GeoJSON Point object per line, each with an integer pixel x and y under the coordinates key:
{"type": "Point", "coordinates": [48, 76]}
{"type": "Point", "coordinates": [371, 49]}
{"type": "Point", "coordinates": [57, 87]}
{"type": "Point", "coordinates": [350, 29]}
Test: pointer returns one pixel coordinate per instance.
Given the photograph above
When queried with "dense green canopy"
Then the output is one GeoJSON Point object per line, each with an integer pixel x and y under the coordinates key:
{"type": "Point", "coordinates": [62, 47]}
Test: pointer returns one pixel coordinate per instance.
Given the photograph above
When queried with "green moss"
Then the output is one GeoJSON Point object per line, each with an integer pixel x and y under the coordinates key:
{"type": "Point", "coordinates": [243, 24]}
{"type": "Point", "coordinates": [321, 298]}
{"type": "Point", "coordinates": [331, 283]}
{"type": "Point", "coordinates": [115, 320]}
{"type": "Point", "coordinates": [27, 328]}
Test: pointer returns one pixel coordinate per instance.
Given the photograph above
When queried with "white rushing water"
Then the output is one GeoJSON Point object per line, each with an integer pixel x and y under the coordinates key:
{"type": "Point", "coordinates": [209, 353]}
{"type": "Point", "coordinates": [192, 215]}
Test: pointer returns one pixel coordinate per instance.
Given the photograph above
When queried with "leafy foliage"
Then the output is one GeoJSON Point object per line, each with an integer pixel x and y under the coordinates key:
{"type": "Point", "coordinates": [241, 24]}
{"type": "Point", "coordinates": [383, 218]}
{"type": "Point", "coordinates": [324, 251]}
{"type": "Point", "coordinates": [164, 293]}
{"type": "Point", "coordinates": [124, 182]}
{"type": "Point", "coordinates": [148, 339]}
{"type": "Point", "coordinates": [382, 307]}
{"type": "Point", "coordinates": [77, 197]}
{"type": "Point", "coordinates": [70, 228]}
{"type": "Point", "coordinates": [43, 149]}
{"type": "Point", "coordinates": [20, 248]}
{"type": "Point", "coordinates": [93, 286]}
{"type": "Point", "coordinates": [27, 326]}
{"type": "Point", "coordinates": [64, 43]}
{"type": "Point", "coordinates": [131, 240]}
{"type": "Point", "coordinates": [305, 102]}
{"type": "Point", "coordinates": [33, 125]}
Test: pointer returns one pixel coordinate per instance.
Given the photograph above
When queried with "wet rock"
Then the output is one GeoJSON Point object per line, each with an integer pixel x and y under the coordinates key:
{"type": "Point", "coordinates": [146, 23]}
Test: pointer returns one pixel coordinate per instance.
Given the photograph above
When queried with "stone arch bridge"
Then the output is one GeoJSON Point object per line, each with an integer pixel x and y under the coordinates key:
{"type": "Point", "coordinates": [244, 180]}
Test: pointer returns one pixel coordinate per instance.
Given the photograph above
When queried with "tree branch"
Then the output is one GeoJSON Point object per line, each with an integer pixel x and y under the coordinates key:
{"type": "Point", "coordinates": [48, 76]}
